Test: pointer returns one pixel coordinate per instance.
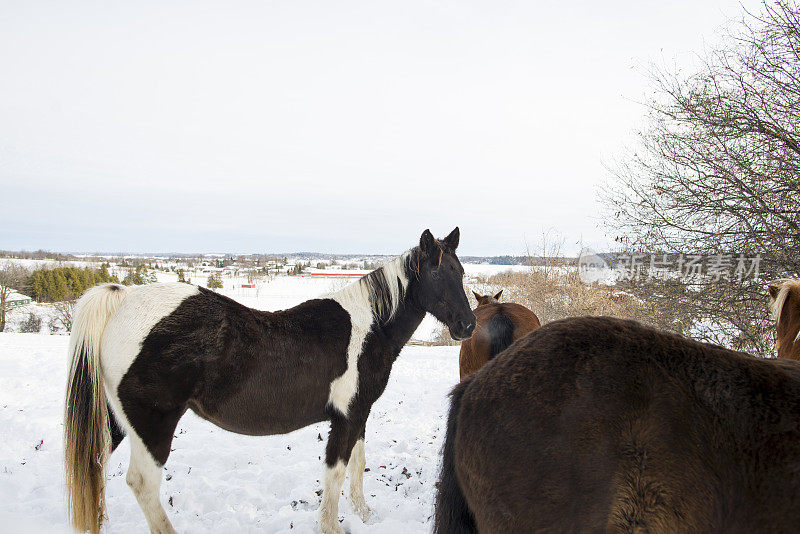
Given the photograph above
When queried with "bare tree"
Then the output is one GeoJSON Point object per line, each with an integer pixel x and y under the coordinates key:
{"type": "Point", "coordinates": [548, 254]}
{"type": "Point", "coordinates": [13, 277]}
{"type": "Point", "coordinates": [717, 168]}
{"type": "Point", "coordinates": [64, 313]}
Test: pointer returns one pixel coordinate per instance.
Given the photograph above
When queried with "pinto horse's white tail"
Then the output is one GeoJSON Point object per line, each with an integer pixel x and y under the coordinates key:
{"type": "Point", "coordinates": [86, 419]}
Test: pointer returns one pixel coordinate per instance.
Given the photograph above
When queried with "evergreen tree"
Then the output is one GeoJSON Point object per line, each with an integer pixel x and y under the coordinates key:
{"type": "Point", "coordinates": [214, 281]}
{"type": "Point", "coordinates": [37, 285]}
{"type": "Point", "coordinates": [104, 275]}
{"type": "Point", "coordinates": [61, 288]}
{"type": "Point", "coordinates": [65, 282]}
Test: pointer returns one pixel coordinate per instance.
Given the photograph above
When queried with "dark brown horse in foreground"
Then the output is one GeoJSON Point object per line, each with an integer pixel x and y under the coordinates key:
{"type": "Point", "coordinates": [499, 325]}
{"type": "Point", "coordinates": [597, 424]}
{"type": "Point", "coordinates": [786, 308]}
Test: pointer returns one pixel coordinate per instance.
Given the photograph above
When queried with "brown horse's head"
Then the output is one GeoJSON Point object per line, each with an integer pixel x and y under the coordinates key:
{"type": "Point", "coordinates": [785, 297]}
{"type": "Point", "coordinates": [487, 299]}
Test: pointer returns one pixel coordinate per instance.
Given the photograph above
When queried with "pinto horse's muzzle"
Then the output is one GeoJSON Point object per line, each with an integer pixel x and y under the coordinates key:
{"type": "Point", "coordinates": [463, 329]}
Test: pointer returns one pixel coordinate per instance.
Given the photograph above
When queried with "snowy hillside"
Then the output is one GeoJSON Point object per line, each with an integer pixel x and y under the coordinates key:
{"type": "Point", "coordinates": [216, 481]}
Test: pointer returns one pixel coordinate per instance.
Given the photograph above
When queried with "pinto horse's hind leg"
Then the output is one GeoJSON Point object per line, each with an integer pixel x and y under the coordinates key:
{"type": "Point", "coordinates": [329, 509]}
{"type": "Point", "coordinates": [341, 440]}
{"type": "Point", "coordinates": [151, 431]}
{"type": "Point", "coordinates": [355, 470]}
{"type": "Point", "coordinates": [144, 478]}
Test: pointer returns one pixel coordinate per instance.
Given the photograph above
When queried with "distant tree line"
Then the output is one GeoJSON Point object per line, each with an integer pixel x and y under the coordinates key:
{"type": "Point", "coordinates": [65, 283]}
{"type": "Point", "coordinates": [37, 255]}
{"type": "Point", "coordinates": [499, 260]}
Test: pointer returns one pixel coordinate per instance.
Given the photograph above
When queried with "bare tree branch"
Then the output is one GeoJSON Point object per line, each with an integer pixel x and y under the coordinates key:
{"type": "Point", "coordinates": [717, 169]}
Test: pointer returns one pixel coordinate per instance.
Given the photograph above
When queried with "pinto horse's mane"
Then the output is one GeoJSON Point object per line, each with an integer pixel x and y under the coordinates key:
{"type": "Point", "coordinates": [382, 289]}
{"type": "Point", "coordinates": [786, 287]}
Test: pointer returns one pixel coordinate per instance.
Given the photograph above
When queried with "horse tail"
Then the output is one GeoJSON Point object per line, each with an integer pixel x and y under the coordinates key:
{"type": "Point", "coordinates": [501, 333]}
{"type": "Point", "coordinates": [86, 418]}
{"type": "Point", "coordinates": [453, 515]}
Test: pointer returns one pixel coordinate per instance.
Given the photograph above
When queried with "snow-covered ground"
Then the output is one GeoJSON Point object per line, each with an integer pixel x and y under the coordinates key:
{"type": "Point", "coordinates": [216, 481]}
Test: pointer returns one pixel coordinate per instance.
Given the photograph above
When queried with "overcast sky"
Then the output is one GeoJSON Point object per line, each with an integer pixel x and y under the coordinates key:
{"type": "Point", "coordinates": [323, 126]}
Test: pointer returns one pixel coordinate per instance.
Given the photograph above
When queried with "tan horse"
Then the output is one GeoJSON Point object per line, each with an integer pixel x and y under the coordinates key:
{"type": "Point", "coordinates": [499, 325]}
{"type": "Point", "coordinates": [786, 308]}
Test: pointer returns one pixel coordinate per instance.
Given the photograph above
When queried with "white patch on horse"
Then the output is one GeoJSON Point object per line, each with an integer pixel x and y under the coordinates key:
{"type": "Point", "coordinates": [365, 303]}
{"type": "Point", "coordinates": [143, 307]}
{"type": "Point", "coordinates": [144, 479]}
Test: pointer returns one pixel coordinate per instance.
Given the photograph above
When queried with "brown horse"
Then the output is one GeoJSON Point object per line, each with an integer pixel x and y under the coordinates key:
{"type": "Point", "coordinates": [786, 308]}
{"type": "Point", "coordinates": [499, 325]}
{"type": "Point", "coordinates": [597, 424]}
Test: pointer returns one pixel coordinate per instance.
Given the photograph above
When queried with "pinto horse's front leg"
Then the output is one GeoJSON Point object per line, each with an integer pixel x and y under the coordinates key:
{"type": "Point", "coordinates": [355, 470]}
{"type": "Point", "coordinates": [341, 440]}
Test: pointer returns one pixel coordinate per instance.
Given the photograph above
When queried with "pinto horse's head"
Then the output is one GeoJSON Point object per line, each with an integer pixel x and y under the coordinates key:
{"type": "Point", "coordinates": [439, 289]}
{"type": "Point", "coordinates": [487, 299]}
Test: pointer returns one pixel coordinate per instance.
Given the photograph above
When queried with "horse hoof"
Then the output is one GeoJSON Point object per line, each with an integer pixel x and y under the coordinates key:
{"type": "Point", "coordinates": [332, 529]}
{"type": "Point", "coordinates": [362, 510]}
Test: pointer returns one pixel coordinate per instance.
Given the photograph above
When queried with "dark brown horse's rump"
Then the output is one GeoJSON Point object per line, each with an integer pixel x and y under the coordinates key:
{"type": "Point", "coordinates": [600, 424]}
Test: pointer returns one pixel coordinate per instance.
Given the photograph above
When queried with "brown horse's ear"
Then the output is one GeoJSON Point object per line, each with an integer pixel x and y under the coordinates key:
{"type": "Point", "coordinates": [497, 297]}
{"type": "Point", "coordinates": [427, 243]}
{"type": "Point", "coordinates": [774, 289]}
{"type": "Point", "coordinates": [477, 297]}
{"type": "Point", "coordinates": [451, 241]}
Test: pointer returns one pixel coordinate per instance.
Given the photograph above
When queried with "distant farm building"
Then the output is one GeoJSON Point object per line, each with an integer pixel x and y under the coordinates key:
{"type": "Point", "coordinates": [15, 300]}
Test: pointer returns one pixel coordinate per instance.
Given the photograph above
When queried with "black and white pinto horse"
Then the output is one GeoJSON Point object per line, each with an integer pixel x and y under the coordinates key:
{"type": "Point", "coordinates": [142, 356]}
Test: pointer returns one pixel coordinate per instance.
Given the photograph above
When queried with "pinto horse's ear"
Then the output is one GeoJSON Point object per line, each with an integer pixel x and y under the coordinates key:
{"type": "Point", "coordinates": [774, 289]}
{"type": "Point", "coordinates": [451, 241]}
{"type": "Point", "coordinates": [427, 243]}
{"type": "Point", "coordinates": [477, 297]}
{"type": "Point", "coordinates": [497, 297]}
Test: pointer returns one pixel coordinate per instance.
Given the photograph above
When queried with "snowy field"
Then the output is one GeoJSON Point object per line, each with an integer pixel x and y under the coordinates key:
{"type": "Point", "coordinates": [216, 481]}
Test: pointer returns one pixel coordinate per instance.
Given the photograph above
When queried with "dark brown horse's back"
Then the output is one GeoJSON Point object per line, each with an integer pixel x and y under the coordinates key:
{"type": "Point", "coordinates": [601, 424]}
